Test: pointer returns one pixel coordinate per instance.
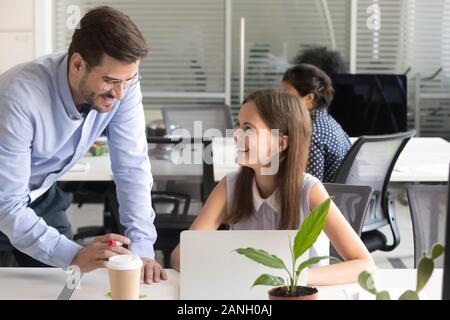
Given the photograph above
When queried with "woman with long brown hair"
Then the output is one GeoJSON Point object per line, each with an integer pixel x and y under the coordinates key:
{"type": "Point", "coordinates": [272, 191]}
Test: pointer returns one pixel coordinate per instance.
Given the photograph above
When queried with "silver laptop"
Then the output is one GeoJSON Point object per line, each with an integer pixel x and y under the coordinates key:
{"type": "Point", "coordinates": [211, 270]}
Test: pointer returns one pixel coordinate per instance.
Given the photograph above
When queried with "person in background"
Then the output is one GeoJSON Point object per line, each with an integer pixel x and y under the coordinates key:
{"type": "Point", "coordinates": [329, 61]}
{"type": "Point", "coordinates": [329, 142]}
{"type": "Point", "coordinates": [52, 110]}
{"type": "Point", "coordinates": [256, 199]}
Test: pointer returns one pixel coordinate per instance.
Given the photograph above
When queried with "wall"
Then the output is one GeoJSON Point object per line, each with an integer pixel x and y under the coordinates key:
{"type": "Point", "coordinates": [17, 32]}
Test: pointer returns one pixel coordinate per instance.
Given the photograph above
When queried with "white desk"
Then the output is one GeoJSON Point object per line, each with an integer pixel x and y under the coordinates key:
{"type": "Point", "coordinates": [47, 283]}
{"type": "Point", "coordinates": [98, 168]}
{"type": "Point", "coordinates": [422, 160]}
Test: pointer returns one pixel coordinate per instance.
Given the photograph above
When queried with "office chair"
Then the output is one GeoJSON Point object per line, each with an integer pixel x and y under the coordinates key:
{"type": "Point", "coordinates": [370, 162]}
{"type": "Point", "coordinates": [427, 205]}
{"type": "Point", "coordinates": [171, 218]}
{"type": "Point", "coordinates": [353, 202]}
{"type": "Point", "coordinates": [90, 192]}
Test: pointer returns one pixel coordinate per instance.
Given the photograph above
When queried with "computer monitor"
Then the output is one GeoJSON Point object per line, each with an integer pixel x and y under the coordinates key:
{"type": "Point", "coordinates": [370, 104]}
{"type": "Point", "coordinates": [197, 121]}
{"type": "Point", "coordinates": [446, 276]}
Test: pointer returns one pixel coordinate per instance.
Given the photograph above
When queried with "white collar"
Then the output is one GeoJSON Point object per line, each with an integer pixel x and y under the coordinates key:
{"type": "Point", "coordinates": [258, 200]}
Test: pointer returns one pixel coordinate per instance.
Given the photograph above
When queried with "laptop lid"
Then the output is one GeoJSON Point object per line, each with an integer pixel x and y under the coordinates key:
{"type": "Point", "coordinates": [211, 270]}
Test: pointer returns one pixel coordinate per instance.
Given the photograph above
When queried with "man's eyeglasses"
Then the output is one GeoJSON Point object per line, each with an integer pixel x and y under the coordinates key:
{"type": "Point", "coordinates": [113, 83]}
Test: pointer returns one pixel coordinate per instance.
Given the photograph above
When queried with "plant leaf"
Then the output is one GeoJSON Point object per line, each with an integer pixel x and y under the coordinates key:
{"type": "Point", "coordinates": [311, 228]}
{"type": "Point", "coordinates": [424, 271]}
{"type": "Point", "coordinates": [262, 257]}
{"type": "Point", "coordinates": [383, 295]}
{"type": "Point", "coordinates": [312, 261]}
{"type": "Point", "coordinates": [438, 249]}
{"type": "Point", "coordinates": [366, 282]}
{"type": "Point", "coordinates": [268, 280]}
{"type": "Point", "coordinates": [409, 295]}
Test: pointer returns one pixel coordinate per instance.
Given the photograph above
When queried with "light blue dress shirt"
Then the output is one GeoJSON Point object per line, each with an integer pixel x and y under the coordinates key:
{"type": "Point", "coordinates": [42, 135]}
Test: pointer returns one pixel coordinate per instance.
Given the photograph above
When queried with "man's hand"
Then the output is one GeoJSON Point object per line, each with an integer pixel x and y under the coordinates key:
{"type": "Point", "coordinates": [96, 254]}
{"type": "Point", "coordinates": [152, 271]}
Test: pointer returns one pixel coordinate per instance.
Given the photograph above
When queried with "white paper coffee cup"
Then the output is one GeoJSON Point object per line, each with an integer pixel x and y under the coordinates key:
{"type": "Point", "coordinates": [124, 276]}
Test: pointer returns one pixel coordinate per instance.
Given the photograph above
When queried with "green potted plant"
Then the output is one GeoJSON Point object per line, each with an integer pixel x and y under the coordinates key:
{"type": "Point", "coordinates": [304, 239]}
{"type": "Point", "coordinates": [425, 269]}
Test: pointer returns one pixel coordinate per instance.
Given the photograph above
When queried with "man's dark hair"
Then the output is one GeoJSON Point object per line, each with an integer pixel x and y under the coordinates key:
{"type": "Point", "coordinates": [330, 61]}
{"type": "Point", "coordinates": [106, 30]}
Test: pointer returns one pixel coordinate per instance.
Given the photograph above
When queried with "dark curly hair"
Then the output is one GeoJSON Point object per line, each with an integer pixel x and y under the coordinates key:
{"type": "Point", "coordinates": [330, 61]}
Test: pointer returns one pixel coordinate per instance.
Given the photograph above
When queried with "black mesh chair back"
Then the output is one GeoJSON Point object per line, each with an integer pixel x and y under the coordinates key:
{"type": "Point", "coordinates": [428, 208]}
{"type": "Point", "coordinates": [353, 202]}
{"type": "Point", "coordinates": [370, 162]}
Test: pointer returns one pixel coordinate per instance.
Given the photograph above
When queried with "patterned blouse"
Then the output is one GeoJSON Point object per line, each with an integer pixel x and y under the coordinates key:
{"type": "Point", "coordinates": [329, 145]}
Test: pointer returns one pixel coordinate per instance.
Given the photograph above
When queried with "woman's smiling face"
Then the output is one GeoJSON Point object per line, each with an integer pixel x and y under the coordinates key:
{"type": "Point", "coordinates": [256, 143]}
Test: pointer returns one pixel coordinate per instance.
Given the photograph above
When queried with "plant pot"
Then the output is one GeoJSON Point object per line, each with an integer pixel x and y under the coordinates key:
{"type": "Point", "coordinates": [303, 293]}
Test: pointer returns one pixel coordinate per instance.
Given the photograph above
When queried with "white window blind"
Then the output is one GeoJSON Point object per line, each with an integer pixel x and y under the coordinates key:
{"type": "Point", "coordinates": [384, 50]}
{"type": "Point", "coordinates": [414, 37]}
{"type": "Point", "coordinates": [187, 45]}
{"type": "Point", "coordinates": [276, 31]}
{"type": "Point", "coordinates": [187, 61]}
{"type": "Point", "coordinates": [430, 62]}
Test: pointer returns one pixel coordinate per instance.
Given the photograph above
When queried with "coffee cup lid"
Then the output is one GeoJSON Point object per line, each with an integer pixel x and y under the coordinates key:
{"type": "Point", "coordinates": [124, 262]}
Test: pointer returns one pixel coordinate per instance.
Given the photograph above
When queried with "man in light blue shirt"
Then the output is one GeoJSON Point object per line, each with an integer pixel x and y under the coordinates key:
{"type": "Point", "coordinates": [51, 111]}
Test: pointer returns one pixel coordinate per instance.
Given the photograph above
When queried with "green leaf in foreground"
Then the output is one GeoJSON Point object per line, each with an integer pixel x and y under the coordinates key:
{"type": "Point", "coordinates": [365, 280]}
{"type": "Point", "coordinates": [424, 271]}
{"type": "Point", "coordinates": [262, 257]}
{"type": "Point", "coordinates": [268, 280]}
{"type": "Point", "coordinates": [383, 295]}
{"type": "Point", "coordinates": [409, 295]}
{"type": "Point", "coordinates": [311, 228]}
{"type": "Point", "coordinates": [438, 249]}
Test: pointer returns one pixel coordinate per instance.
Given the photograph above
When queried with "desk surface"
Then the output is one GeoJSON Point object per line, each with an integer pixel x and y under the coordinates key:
{"type": "Point", "coordinates": [422, 160]}
{"type": "Point", "coordinates": [47, 283]}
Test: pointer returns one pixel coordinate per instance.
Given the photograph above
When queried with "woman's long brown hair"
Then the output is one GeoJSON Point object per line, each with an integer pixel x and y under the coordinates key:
{"type": "Point", "coordinates": [282, 111]}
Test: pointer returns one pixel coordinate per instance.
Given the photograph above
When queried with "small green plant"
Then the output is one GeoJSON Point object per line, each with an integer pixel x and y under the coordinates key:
{"type": "Point", "coordinates": [425, 269]}
{"type": "Point", "coordinates": [304, 239]}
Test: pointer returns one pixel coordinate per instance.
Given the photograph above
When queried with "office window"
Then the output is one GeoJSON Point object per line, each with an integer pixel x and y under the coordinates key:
{"type": "Point", "coordinates": [186, 39]}
{"type": "Point", "coordinates": [276, 31]}
{"type": "Point", "coordinates": [188, 57]}
{"type": "Point", "coordinates": [412, 39]}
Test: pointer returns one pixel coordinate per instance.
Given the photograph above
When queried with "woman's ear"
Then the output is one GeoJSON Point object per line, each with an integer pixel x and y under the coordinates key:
{"type": "Point", "coordinates": [308, 101]}
{"type": "Point", "coordinates": [284, 143]}
{"type": "Point", "coordinates": [310, 98]}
